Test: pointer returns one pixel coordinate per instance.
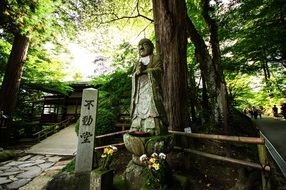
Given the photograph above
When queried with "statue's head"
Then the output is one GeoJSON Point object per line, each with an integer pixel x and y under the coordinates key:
{"type": "Point", "coordinates": [146, 47]}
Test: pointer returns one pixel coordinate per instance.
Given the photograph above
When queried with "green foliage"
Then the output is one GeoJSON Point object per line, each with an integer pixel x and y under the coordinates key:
{"type": "Point", "coordinates": [240, 91]}
{"type": "Point", "coordinates": [40, 66]}
{"type": "Point", "coordinates": [116, 12]}
{"type": "Point", "coordinates": [7, 155]}
{"type": "Point", "coordinates": [105, 122]}
{"type": "Point", "coordinates": [33, 91]}
{"type": "Point", "coordinates": [114, 94]}
{"type": "Point", "coordinates": [115, 88]}
{"type": "Point", "coordinates": [70, 167]}
{"type": "Point", "coordinates": [39, 19]}
{"type": "Point", "coordinates": [25, 125]}
{"type": "Point", "coordinates": [256, 29]}
{"type": "Point", "coordinates": [194, 12]}
{"type": "Point", "coordinates": [106, 157]}
{"type": "Point", "coordinates": [5, 48]}
{"type": "Point", "coordinates": [124, 56]}
{"type": "Point", "coordinates": [155, 171]}
{"type": "Point", "coordinates": [119, 182]}
{"type": "Point", "coordinates": [77, 127]}
{"type": "Point", "coordinates": [252, 35]}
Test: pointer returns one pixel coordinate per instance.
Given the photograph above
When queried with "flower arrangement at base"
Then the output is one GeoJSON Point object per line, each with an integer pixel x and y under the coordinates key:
{"type": "Point", "coordinates": [155, 170]}
{"type": "Point", "coordinates": [106, 157]}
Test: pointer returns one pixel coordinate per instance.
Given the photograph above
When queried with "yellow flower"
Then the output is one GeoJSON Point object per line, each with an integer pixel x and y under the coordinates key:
{"type": "Point", "coordinates": [105, 151]}
{"type": "Point", "coordinates": [110, 151]}
{"type": "Point", "coordinates": [152, 160]}
{"type": "Point", "coordinates": [156, 166]}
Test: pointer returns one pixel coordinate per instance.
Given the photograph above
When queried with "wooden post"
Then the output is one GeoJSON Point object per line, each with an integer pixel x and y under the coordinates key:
{"type": "Point", "coordinates": [86, 136]}
{"type": "Point", "coordinates": [262, 153]}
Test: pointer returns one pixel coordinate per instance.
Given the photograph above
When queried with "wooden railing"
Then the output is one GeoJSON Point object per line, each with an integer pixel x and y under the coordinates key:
{"type": "Point", "coordinates": [123, 122]}
{"type": "Point", "coordinates": [262, 152]}
{"type": "Point", "coordinates": [49, 130]}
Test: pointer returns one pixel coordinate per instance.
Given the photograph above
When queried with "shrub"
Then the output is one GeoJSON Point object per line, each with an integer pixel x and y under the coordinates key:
{"type": "Point", "coordinates": [69, 167]}
{"type": "Point", "coordinates": [105, 122]}
{"type": "Point", "coordinates": [7, 155]}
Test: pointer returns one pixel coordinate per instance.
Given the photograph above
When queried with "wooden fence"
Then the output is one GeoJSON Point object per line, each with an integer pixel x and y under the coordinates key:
{"type": "Point", "coordinates": [262, 152]}
{"type": "Point", "coordinates": [49, 130]}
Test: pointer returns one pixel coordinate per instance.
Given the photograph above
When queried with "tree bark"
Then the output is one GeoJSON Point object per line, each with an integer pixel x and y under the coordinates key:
{"type": "Point", "coordinates": [193, 92]}
{"type": "Point", "coordinates": [13, 74]}
{"type": "Point", "coordinates": [171, 40]}
{"type": "Point", "coordinates": [208, 73]}
{"type": "Point", "coordinates": [211, 70]}
{"type": "Point", "coordinates": [221, 104]}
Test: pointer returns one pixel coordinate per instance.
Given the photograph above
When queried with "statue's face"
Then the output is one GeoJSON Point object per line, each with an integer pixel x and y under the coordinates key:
{"type": "Point", "coordinates": [145, 49]}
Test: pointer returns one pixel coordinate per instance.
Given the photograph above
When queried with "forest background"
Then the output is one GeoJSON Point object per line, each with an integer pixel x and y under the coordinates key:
{"type": "Point", "coordinates": [218, 55]}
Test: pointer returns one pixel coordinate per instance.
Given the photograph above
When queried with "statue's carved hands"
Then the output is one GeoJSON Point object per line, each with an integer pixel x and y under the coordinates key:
{"type": "Point", "coordinates": [140, 70]}
{"type": "Point", "coordinates": [137, 72]}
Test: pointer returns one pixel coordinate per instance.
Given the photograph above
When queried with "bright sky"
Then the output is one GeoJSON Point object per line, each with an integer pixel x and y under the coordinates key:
{"type": "Point", "coordinates": [83, 54]}
{"type": "Point", "coordinates": [91, 44]}
{"type": "Point", "coordinates": [82, 61]}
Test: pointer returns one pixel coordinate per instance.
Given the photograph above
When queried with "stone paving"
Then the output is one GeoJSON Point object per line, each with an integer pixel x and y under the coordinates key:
{"type": "Point", "coordinates": [17, 173]}
{"type": "Point", "coordinates": [40, 162]}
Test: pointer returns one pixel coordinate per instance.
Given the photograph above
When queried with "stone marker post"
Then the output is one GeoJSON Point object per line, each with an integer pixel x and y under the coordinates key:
{"type": "Point", "coordinates": [86, 135]}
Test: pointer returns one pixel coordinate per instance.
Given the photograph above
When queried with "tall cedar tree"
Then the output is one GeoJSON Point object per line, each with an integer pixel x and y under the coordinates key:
{"type": "Point", "coordinates": [170, 22]}
{"type": "Point", "coordinates": [22, 19]}
{"type": "Point", "coordinates": [172, 27]}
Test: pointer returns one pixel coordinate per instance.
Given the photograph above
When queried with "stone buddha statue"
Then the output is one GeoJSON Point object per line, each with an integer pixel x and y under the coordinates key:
{"type": "Point", "coordinates": [149, 128]}
{"type": "Point", "coordinates": [147, 110]}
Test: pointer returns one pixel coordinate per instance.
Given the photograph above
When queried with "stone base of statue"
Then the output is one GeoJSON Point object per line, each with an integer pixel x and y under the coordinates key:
{"type": "Point", "coordinates": [102, 179]}
{"type": "Point", "coordinates": [133, 176]}
{"type": "Point", "coordinates": [139, 143]}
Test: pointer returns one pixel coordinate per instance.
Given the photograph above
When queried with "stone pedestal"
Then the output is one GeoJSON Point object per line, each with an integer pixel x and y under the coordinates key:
{"type": "Point", "coordinates": [101, 179]}
{"type": "Point", "coordinates": [133, 176]}
{"type": "Point", "coordinates": [139, 144]}
{"type": "Point", "coordinates": [98, 179]}
{"type": "Point", "coordinates": [136, 177]}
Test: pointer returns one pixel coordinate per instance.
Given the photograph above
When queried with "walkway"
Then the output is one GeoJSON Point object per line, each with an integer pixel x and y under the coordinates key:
{"type": "Point", "coordinates": [41, 163]}
{"type": "Point", "coordinates": [63, 142]}
{"type": "Point", "coordinates": [274, 129]}
{"type": "Point", "coordinates": [18, 173]}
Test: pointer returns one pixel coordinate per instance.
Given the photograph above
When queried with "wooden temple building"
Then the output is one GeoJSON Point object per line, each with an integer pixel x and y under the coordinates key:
{"type": "Point", "coordinates": [58, 107]}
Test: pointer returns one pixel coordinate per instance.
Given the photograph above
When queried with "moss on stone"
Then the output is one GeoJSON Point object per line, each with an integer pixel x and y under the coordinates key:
{"type": "Point", "coordinates": [161, 137]}
{"type": "Point", "coordinates": [7, 155]}
{"type": "Point", "coordinates": [119, 183]}
{"type": "Point", "coordinates": [70, 167]}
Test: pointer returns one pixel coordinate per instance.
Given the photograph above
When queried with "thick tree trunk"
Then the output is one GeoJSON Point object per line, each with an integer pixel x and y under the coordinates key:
{"type": "Point", "coordinates": [210, 66]}
{"type": "Point", "coordinates": [208, 74]}
{"type": "Point", "coordinates": [13, 73]}
{"type": "Point", "coordinates": [221, 104]}
{"type": "Point", "coordinates": [170, 22]}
